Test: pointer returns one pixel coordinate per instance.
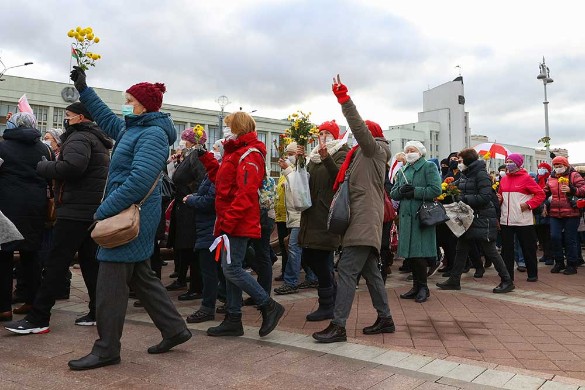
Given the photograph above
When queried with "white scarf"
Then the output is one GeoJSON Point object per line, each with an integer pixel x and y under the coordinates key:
{"type": "Point", "coordinates": [332, 148]}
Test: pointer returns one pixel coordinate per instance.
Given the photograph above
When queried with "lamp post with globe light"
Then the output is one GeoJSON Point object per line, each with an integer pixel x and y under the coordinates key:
{"type": "Point", "coordinates": [545, 77]}
{"type": "Point", "coordinates": [222, 101]}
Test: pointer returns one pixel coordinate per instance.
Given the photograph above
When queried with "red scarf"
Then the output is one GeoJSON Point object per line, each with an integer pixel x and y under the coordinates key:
{"type": "Point", "coordinates": [376, 131]}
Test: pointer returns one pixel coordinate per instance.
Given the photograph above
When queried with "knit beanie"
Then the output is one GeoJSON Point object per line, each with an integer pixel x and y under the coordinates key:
{"type": "Point", "coordinates": [545, 166]}
{"type": "Point", "coordinates": [517, 158]}
{"type": "Point", "coordinates": [417, 144]}
{"type": "Point", "coordinates": [189, 135]}
{"type": "Point", "coordinates": [56, 134]}
{"type": "Point", "coordinates": [149, 95]}
{"type": "Point", "coordinates": [560, 160]}
{"type": "Point", "coordinates": [292, 147]}
{"type": "Point", "coordinates": [331, 127]}
{"type": "Point", "coordinates": [79, 108]}
{"type": "Point", "coordinates": [375, 129]}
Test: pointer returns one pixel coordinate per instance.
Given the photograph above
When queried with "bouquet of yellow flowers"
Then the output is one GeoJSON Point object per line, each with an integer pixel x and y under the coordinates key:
{"type": "Point", "coordinates": [495, 186]}
{"type": "Point", "coordinates": [301, 131]}
{"type": "Point", "coordinates": [448, 188]}
{"type": "Point", "coordinates": [198, 131]}
{"type": "Point", "coordinates": [563, 180]}
{"type": "Point", "coordinates": [83, 38]}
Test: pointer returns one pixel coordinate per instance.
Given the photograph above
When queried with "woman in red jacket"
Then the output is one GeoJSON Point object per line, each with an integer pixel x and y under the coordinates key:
{"type": "Point", "coordinates": [563, 186]}
{"type": "Point", "coordinates": [519, 194]}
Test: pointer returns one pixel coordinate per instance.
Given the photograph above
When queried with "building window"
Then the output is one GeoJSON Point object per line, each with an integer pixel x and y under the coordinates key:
{"type": "Point", "coordinates": [262, 136]}
{"type": "Point", "coordinates": [5, 108]}
{"type": "Point", "coordinates": [213, 134]}
{"type": "Point", "coordinates": [179, 127]}
{"type": "Point", "coordinates": [41, 113]}
{"type": "Point", "coordinates": [58, 116]}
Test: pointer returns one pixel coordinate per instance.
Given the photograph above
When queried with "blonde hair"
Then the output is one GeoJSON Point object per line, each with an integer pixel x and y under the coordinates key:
{"type": "Point", "coordinates": [240, 122]}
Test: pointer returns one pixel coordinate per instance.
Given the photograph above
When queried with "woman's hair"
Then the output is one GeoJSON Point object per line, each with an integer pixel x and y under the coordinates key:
{"type": "Point", "coordinates": [240, 122]}
{"type": "Point", "coordinates": [468, 155]}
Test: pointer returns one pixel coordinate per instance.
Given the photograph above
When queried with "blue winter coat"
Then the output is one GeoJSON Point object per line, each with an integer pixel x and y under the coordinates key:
{"type": "Point", "coordinates": [139, 156]}
{"type": "Point", "coordinates": [203, 201]}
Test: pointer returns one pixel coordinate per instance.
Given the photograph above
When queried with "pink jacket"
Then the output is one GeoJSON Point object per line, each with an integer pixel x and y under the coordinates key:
{"type": "Point", "coordinates": [560, 207]}
{"type": "Point", "coordinates": [517, 188]}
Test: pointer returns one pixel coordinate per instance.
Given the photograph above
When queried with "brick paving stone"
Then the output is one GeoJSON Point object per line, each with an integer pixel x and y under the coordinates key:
{"type": "Point", "coordinates": [524, 382]}
{"type": "Point", "coordinates": [493, 378]}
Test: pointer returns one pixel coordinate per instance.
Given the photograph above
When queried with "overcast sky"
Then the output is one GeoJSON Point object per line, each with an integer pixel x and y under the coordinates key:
{"type": "Point", "coordinates": [277, 56]}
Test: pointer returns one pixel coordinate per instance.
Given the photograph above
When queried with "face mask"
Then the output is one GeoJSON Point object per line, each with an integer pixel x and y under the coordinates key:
{"type": "Point", "coordinates": [48, 143]}
{"type": "Point", "coordinates": [461, 166]}
{"type": "Point", "coordinates": [412, 157]}
{"type": "Point", "coordinates": [511, 167]}
{"type": "Point", "coordinates": [291, 160]}
{"type": "Point", "coordinates": [560, 171]}
{"type": "Point", "coordinates": [453, 165]}
{"type": "Point", "coordinates": [502, 174]}
{"type": "Point", "coordinates": [217, 155]}
{"type": "Point", "coordinates": [66, 122]}
{"type": "Point", "coordinates": [444, 170]}
{"type": "Point", "coordinates": [542, 172]}
{"type": "Point", "coordinates": [127, 110]}
{"type": "Point", "coordinates": [226, 132]}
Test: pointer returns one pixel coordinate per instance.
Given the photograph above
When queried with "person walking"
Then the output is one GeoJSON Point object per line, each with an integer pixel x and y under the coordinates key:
{"type": "Point", "coordinates": [365, 166]}
{"type": "Point", "coordinates": [79, 174]}
{"type": "Point", "coordinates": [143, 138]}
{"type": "Point", "coordinates": [418, 181]}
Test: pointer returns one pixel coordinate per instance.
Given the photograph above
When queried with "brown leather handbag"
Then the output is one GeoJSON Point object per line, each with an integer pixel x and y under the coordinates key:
{"type": "Point", "coordinates": [121, 228]}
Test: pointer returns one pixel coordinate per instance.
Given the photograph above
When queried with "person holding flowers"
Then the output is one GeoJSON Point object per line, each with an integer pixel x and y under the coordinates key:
{"type": "Point", "coordinates": [563, 185]}
{"type": "Point", "coordinates": [143, 138]}
{"type": "Point", "coordinates": [366, 166]}
{"type": "Point", "coordinates": [475, 189]}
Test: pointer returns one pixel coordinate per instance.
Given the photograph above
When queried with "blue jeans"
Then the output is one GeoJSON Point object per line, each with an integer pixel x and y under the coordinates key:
{"type": "Point", "coordinates": [293, 265]}
{"type": "Point", "coordinates": [567, 228]}
{"type": "Point", "coordinates": [209, 274]}
{"type": "Point", "coordinates": [518, 256]}
{"type": "Point", "coordinates": [237, 279]}
{"type": "Point", "coordinates": [262, 262]}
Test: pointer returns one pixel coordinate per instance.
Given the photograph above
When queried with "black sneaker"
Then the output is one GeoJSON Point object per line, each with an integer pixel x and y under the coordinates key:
{"type": "Point", "coordinates": [570, 270]}
{"type": "Point", "coordinates": [176, 285]}
{"type": "Point", "coordinates": [308, 284]}
{"type": "Point", "coordinates": [558, 267]}
{"type": "Point", "coordinates": [86, 320]}
{"type": "Point", "coordinates": [25, 327]}
{"type": "Point", "coordinates": [200, 316]}
{"type": "Point", "coordinates": [286, 289]}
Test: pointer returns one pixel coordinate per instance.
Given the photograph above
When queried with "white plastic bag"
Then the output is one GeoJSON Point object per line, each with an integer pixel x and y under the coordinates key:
{"type": "Point", "coordinates": [299, 185]}
{"type": "Point", "coordinates": [460, 217]}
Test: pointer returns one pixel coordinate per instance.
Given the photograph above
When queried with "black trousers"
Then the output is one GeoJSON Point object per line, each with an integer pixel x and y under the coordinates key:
{"type": "Point", "coordinates": [69, 237]}
{"type": "Point", "coordinates": [527, 238]}
{"type": "Point", "coordinates": [543, 234]}
{"type": "Point", "coordinates": [189, 261]}
{"type": "Point", "coordinates": [31, 272]}
{"type": "Point", "coordinates": [318, 260]}
{"type": "Point", "coordinates": [283, 232]}
{"type": "Point", "coordinates": [490, 252]}
{"type": "Point", "coordinates": [112, 302]}
{"type": "Point", "coordinates": [448, 241]}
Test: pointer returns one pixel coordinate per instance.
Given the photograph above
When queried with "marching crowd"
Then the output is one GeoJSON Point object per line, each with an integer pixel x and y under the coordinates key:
{"type": "Point", "coordinates": [223, 205]}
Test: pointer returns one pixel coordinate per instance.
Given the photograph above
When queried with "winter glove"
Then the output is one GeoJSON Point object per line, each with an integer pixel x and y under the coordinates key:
{"type": "Point", "coordinates": [78, 78]}
{"type": "Point", "coordinates": [340, 91]}
{"type": "Point", "coordinates": [201, 150]}
{"type": "Point", "coordinates": [407, 191]}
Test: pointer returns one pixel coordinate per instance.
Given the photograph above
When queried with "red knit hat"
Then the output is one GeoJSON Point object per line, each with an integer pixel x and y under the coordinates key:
{"type": "Point", "coordinates": [375, 129]}
{"type": "Point", "coordinates": [560, 160]}
{"type": "Point", "coordinates": [149, 95]}
{"type": "Point", "coordinates": [331, 127]}
{"type": "Point", "coordinates": [545, 166]}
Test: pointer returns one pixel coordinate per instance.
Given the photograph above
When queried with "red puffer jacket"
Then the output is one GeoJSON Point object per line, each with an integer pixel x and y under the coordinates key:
{"type": "Point", "coordinates": [236, 186]}
{"type": "Point", "coordinates": [560, 207]}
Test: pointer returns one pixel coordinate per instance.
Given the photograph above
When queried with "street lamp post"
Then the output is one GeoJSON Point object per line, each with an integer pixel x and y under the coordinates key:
{"type": "Point", "coordinates": [10, 67]}
{"type": "Point", "coordinates": [545, 77]}
{"type": "Point", "coordinates": [222, 101]}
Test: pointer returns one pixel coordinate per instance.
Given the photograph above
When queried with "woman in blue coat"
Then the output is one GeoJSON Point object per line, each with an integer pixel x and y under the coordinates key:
{"type": "Point", "coordinates": [142, 145]}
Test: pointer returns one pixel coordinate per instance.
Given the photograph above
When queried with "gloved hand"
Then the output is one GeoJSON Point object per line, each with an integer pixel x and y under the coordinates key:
{"type": "Point", "coordinates": [201, 150]}
{"type": "Point", "coordinates": [78, 78]}
{"type": "Point", "coordinates": [340, 90]}
{"type": "Point", "coordinates": [407, 191]}
{"type": "Point", "coordinates": [572, 190]}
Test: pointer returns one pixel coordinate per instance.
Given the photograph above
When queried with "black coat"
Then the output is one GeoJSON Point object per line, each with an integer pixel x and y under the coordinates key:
{"type": "Point", "coordinates": [23, 193]}
{"type": "Point", "coordinates": [203, 202]}
{"type": "Point", "coordinates": [187, 179]}
{"type": "Point", "coordinates": [80, 171]}
{"type": "Point", "coordinates": [476, 191]}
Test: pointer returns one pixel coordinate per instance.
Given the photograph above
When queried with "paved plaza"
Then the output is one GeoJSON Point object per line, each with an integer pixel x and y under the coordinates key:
{"type": "Point", "coordinates": [533, 338]}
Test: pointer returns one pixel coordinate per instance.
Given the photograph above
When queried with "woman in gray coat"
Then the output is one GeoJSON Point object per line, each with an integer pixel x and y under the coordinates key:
{"type": "Point", "coordinates": [416, 182]}
{"type": "Point", "coordinates": [366, 166]}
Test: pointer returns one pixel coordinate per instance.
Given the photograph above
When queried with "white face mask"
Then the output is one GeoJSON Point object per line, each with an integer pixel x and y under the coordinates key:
{"type": "Point", "coordinates": [291, 160]}
{"type": "Point", "coordinates": [502, 174]}
{"type": "Point", "coordinates": [217, 155]}
{"type": "Point", "coordinates": [542, 172]}
{"type": "Point", "coordinates": [226, 131]}
{"type": "Point", "coordinates": [560, 171]}
{"type": "Point", "coordinates": [412, 157]}
{"type": "Point", "coordinates": [48, 143]}
{"type": "Point", "coordinates": [461, 166]}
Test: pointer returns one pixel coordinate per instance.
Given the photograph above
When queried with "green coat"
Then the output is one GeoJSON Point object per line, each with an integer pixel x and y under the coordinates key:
{"type": "Point", "coordinates": [414, 240]}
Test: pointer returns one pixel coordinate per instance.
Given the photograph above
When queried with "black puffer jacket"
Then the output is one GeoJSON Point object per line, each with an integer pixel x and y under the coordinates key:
{"type": "Point", "coordinates": [23, 193]}
{"type": "Point", "coordinates": [80, 171]}
{"type": "Point", "coordinates": [476, 190]}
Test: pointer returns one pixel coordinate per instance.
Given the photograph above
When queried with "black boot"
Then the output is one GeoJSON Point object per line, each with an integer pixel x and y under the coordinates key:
{"type": "Point", "coordinates": [382, 325]}
{"type": "Point", "coordinates": [423, 294]}
{"type": "Point", "coordinates": [271, 314]}
{"type": "Point", "coordinates": [230, 326]}
{"type": "Point", "coordinates": [326, 305]}
{"type": "Point", "coordinates": [332, 334]}
{"type": "Point", "coordinates": [411, 294]}
{"type": "Point", "coordinates": [504, 287]}
{"type": "Point", "coordinates": [452, 283]}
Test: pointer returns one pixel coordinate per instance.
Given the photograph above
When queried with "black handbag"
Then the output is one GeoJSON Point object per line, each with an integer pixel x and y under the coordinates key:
{"type": "Point", "coordinates": [339, 212]}
{"type": "Point", "coordinates": [431, 213]}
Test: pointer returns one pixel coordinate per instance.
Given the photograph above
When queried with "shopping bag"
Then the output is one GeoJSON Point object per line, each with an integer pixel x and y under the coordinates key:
{"type": "Point", "coordinates": [460, 217]}
{"type": "Point", "coordinates": [299, 184]}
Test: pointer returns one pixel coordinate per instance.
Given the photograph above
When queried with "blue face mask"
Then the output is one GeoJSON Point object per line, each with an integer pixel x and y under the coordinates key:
{"type": "Point", "coordinates": [127, 110]}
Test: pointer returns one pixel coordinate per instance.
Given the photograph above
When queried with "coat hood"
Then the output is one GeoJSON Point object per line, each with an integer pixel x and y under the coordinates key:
{"type": "Point", "coordinates": [160, 119]}
{"type": "Point", "coordinates": [89, 127]}
{"type": "Point", "coordinates": [25, 135]}
{"type": "Point", "coordinates": [474, 167]}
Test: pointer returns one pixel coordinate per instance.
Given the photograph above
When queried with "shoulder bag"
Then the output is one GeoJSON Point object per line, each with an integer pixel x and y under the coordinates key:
{"type": "Point", "coordinates": [339, 211]}
{"type": "Point", "coordinates": [121, 228]}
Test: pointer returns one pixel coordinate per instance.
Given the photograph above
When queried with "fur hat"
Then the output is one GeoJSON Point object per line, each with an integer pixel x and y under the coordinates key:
{"type": "Point", "coordinates": [331, 127]}
{"type": "Point", "coordinates": [79, 108]}
{"type": "Point", "coordinates": [417, 144]}
{"type": "Point", "coordinates": [560, 160]}
{"type": "Point", "coordinates": [517, 158]}
{"type": "Point", "coordinates": [149, 95]}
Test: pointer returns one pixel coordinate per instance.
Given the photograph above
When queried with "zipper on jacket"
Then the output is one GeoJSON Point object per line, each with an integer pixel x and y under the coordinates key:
{"type": "Point", "coordinates": [488, 230]}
